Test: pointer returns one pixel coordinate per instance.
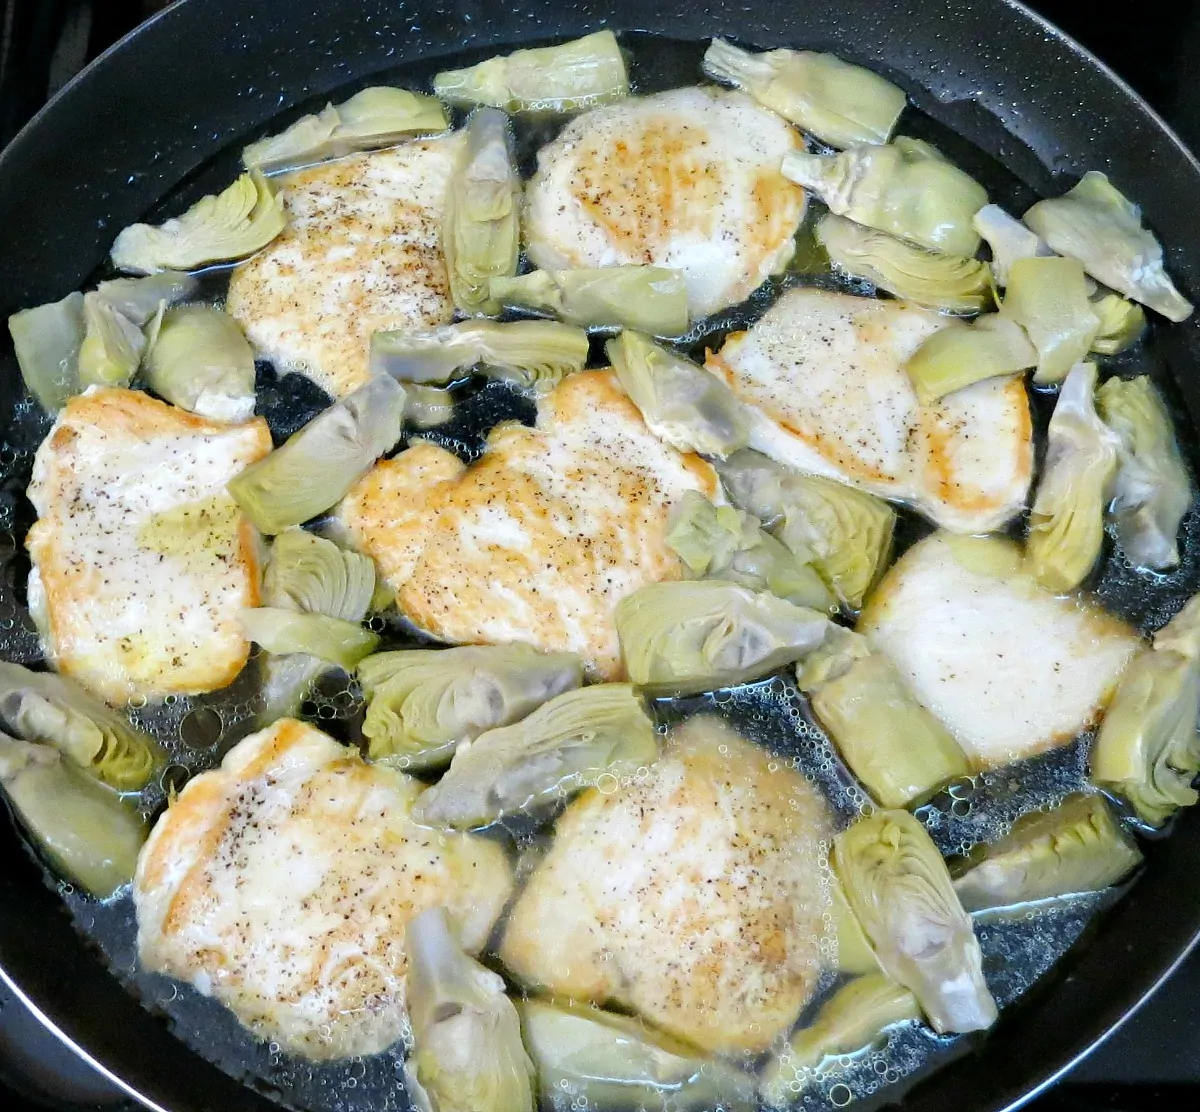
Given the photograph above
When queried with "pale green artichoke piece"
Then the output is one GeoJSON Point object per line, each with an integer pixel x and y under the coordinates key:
{"type": "Point", "coordinates": [854, 953]}
{"type": "Point", "coordinates": [1122, 323]}
{"type": "Point", "coordinates": [1048, 297]}
{"type": "Point", "coordinates": [900, 890]}
{"type": "Point", "coordinates": [481, 229]}
{"type": "Point", "coordinates": [899, 751]}
{"type": "Point", "coordinates": [139, 299]}
{"type": "Point", "coordinates": [112, 345]}
{"type": "Point", "coordinates": [428, 407]}
{"type": "Point", "coordinates": [906, 188]}
{"type": "Point", "coordinates": [313, 575]}
{"type": "Point", "coordinates": [1077, 847]}
{"type": "Point", "coordinates": [953, 283]}
{"type": "Point", "coordinates": [1096, 224]}
{"type": "Point", "coordinates": [376, 117]}
{"type": "Point", "coordinates": [421, 703]}
{"type": "Point", "coordinates": [201, 361]}
{"type": "Point", "coordinates": [574, 75]}
{"type": "Point", "coordinates": [45, 707]}
{"type": "Point", "coordinates": [681, 403]}
{"type": "Point", "coordinates": [960, 355]}
{"type": "Point", "coordinates": [1066, 524]}
{"type": "Point", "coordinates": [221, 227]}
{"type": "Point", "coordinates": [90, 834]}
{"type": "Point", "coordinates": [47, 339]}
{"type": "Point", "coordinates": [614, 1061]}
{"type": "Point", "coordinates": [535, 354]}
{"type": "Point", "coordinates": [839, 103]}
{"type": "Point", "coordinates": [684, 637]}
{"type": "Point", "coordinates": [570, 742]}
{"type": "Point", "coordinates": [720, 542]}
{"type": "Point", "coordinates": [1008, 239]}
{"type": "Point", "coordinates": [1152, 490]}
{"type": "Point", "coordinates": [317, 466]}
{"type": "Point", "coordinates": [467, 1054]}
{"type": "Point", "coordinates": [853, 1019]}
{"type": "Point", "coordinates": [283, 631]}
{"type": "Point", "coordinates": [650, 299]}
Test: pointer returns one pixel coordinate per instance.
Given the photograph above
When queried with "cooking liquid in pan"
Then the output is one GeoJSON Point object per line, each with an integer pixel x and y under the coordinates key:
{"type": "Point", "coordinates": [1018, 948]}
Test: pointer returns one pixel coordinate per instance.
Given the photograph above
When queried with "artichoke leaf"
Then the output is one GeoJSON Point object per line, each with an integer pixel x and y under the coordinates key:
{"type": "Point", "coordinates": [428, 407]}
{"type": "Point", "coordinates": [952, 283]}
{"type": "Point", "coordinates": [112, 345]}
{"type": "Point", "coordinates": [421, 703]}
{"type": "Point", "coordinates": [1096, 224]}
{"type": "Point", "coordinates": [574, 75]}
{"type": "Point", "coordinates": [90, 834]}
{"type": "Point", "coordinates": [45, 707]}
{"type": "Point", "coordinates": [221, 227]}
{"type": "Point", "coordinates": [570, 742]}
{"type": "Point", "coordinates": [854, 953]}
{"type": "Point", "coordinates": [1122, 323]}
{"type": "Point", "coordinates": [313, 575]}
{"type": "Point", "coordinates": [139, 299]}
{"type": "Point", "coordinates": [1066, 524]}
{"type": "Point", "coordinates": [959, 355]}
{"type": "Point", "coordinates": [906, 188]}
{"type": "Point", "coordinates": [900, 890]}
{"type": "Point", "coordinates": [841, 104]}
{"type": "Point", "coordinates": [47, 340]}
{"type": "Point", "coordinates": [467, 1053]}
{"type": "Point", "coordinates": [1152, 491]}
{"type": "Point", "coordinates": [1008, 239]}
{"type": "Point", "coordinates": [202, 362]}
{"type": "Point", "coordinates": [1077, 847]}
{"type": "Point", "coordinates": [317, 466]}
{"type": "Point", "coordinates": [680, 638]}
{"type": "Point", "coordinates": [281, 630]}
{"type": "Point", "coordinates": [1048, 297]}
{"type": "Point", "coordinates": [681, 403]}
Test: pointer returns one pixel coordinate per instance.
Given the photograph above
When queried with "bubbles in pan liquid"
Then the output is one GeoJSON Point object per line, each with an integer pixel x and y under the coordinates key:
{"type": "Point", "coordinates": [1018, 947]}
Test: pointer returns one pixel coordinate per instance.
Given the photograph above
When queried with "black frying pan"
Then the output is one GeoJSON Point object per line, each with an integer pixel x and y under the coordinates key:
{"type": "Point", "coordinates": [205, 73]}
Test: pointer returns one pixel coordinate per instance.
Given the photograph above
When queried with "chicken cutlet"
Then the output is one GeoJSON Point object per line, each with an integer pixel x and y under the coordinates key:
{"type": "Point", "coordinates": [361, 253]}
{"type": "Point", "coordinates": [687, 179]}
{"type": "Point", "coordinates": [1009, 667]}
{"type": "Point", "coordinates": [141, 560]}
{"type": "Point", "coordinates": [281, 883]}
{"type": "Point", "coordinates": [540, 538]}
{"type": "Point", "coordinates": [693, 895]}
{"type": "Point", "coordinates": [823, 377]}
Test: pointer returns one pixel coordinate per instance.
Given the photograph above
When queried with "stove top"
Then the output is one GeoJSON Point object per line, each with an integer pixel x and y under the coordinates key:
{"type": "Point", "coordinates": [1154, 1060]}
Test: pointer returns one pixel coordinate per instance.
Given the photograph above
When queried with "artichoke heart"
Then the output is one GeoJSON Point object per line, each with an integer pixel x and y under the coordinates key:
{"type": "Point", "coordinates": [201, 361]}
{"type": "Point", "coordinates": [898, 750]}
{"type": "Point", "coordinates": [376, 117]}
{"type": "Point", "coordinates": [1148, 748]}
{"type": "Point", "coordinates": [428, 407]}
{"type": "Point", "coordinates": [848, 531]}
{"type": "Point", "coordinates": [681, 403]}
{"type": "Point", "coordinates": [680, 638]}
{"type": "Point", "coordinates": [112, 344]}
{"type": "Point", "coordinates": [222, 227]}
{"type": "Point", "coordinates": [536, 354]}
{"type": "Point", "coordinates": [320, 463]}
{"type": "Point", "coordinates": [1122, 323]}
{"type": "Point", "coordinates": [44, 707]}
{"type": "Point", "coordinates": [1152, 490]}
{"type": "Point", "coordinates": [570, 742]}
{"type": "Point", "coordinates": [1048, 297]}
{"type": "Point", "coordinates": [900, 890]}
{"type": "Point", "coordinates": [481, 229]}
{"type": "Point", "coordinates": [906, 188]}
{"type": "Point", "coordinates": [615, 1061]}
{"type": "Point", "coordinates": [90, 834]}
{"type": "Point", "coordinates": [1077, 847]}
{"type": "Point", "coordinates": [574, 75]}
{"type": "Point", "coordinates": [1066, 524]}
{"type": "Point", "coordinates": [841, 104]}
{"type": "Point", "coordinates": [1008, 239]}
{"type": "Point", "coordinates": [1096, 224]}
{"type": "Point", "coordinates": [960, 355]}
{"type": "Point", "coordinates": [140, 299]}
{"type": "Point", "coordinates": [47, 340]}
{"type": "Point", "coordinates": [853, 1019]}
{"type": "Point", "coordinates": [953, 283]}
{"type": "Point", "coordinates": [854, 953]}
{"type": "Point", "coordinates": [720, 542]}
{"type": "Point", "coordinates": [650, 299]}
{"type": "Point", "coordinates": [421, 703]}
{"type": "Point", "coordinates": [280, 630]}
{"type": "Point", "coordinates": [467, 1054]}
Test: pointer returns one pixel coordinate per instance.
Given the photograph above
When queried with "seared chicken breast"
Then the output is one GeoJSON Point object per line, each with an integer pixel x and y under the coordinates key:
{"type": "Point", "coordinates": [686, 179]}
{"type": "Point", "coordinates": [823, 376]}
{"type": "Point", "coordinates": [281, 883]}
{"type": "Point", "coordinates": [1009, 667]}
{"type": "Point", "coordinates": [539, 539]}
{"type": "Point", "coordinates": [693, 895]}
{"type": "Point", "coordinates": [361, 253]}
{"type": "Point", "coordinates": [141, 560]}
